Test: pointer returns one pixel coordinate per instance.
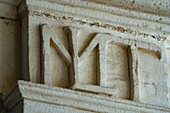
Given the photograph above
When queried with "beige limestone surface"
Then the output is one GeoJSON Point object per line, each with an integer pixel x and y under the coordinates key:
{"type": "Point", "coordinates": [32, 97]}
{"type": "Point", "coordinates": [85, 49]}
{"type": "Point", "coordinates": [88, 56]}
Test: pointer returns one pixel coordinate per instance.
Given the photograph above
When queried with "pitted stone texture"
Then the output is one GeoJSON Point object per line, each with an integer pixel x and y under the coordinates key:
{"type": "Point", "coordinates": [38, 107]}
{"type": "Point", "coordinates": [167, 48]}
{"type": "Point", "coordinates": [154, 6]}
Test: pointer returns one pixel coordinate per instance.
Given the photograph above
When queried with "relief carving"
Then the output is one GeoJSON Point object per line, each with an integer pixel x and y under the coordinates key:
{"type": "Point", "coordinates": [150, 70]}
{"type": "Point", "coordinates": [114, 63]}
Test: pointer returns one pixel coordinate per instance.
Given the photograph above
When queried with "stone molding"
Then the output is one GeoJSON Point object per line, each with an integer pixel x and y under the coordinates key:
{"type": "Point", "coordinates": [160, 7]}
{"type": "Point", "coordinates": [127, 21]}
{"type": "Point", "coordinates": [79, 101]}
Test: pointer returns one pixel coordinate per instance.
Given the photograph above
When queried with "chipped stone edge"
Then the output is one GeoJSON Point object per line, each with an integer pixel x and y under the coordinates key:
{"type": "Point", "coordinates": [59, 96]}
{"type": "Point", "coordinates": [98, 17]}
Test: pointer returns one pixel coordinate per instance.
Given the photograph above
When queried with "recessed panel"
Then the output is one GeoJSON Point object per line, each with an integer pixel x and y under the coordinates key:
{"type": "Point", "coordinates": [88, 69]}
{"type": "Point", "coordinates": [58, 68]}
{"type": "Point", "coordinates": [151, 77]}
{"type": "Point", "coordinates": [117, 70]}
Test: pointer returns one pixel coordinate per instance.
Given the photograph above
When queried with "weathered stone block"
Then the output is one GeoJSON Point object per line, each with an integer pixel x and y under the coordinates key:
{"type": "Point", "coordinates": [32, 97]}
{"type": "Point", "coordinates": [88, 54]}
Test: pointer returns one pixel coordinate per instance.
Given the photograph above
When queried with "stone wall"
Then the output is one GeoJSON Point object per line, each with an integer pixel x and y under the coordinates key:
{"type": "Point", "coordinates": [9, 46]}
{"type": "Point", "coordinates": [85, 48]}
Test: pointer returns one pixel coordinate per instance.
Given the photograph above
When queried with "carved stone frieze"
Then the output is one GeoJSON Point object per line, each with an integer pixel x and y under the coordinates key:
{"type": "Point", "coordinates": [118, 65]}
{"type": "Point", "coordinates": [91, 56]}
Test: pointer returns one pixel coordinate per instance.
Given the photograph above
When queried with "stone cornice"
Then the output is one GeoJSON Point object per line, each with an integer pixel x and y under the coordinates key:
{"type": "Point", "coordinates": [66, 97]}
{"type": "Point", "coordinates": [116, 9]}
{"type": "Point", "coordinates": [157, 7]}
{"type": "Point", "coordinates": [99, 13]}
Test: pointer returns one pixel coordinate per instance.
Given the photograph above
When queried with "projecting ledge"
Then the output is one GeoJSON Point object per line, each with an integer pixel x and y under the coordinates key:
{"type": "Point", "coordinates": [30, 97]}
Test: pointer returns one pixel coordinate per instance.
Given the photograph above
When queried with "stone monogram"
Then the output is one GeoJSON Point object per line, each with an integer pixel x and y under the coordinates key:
{"type": "Point", "coordinates": [120, 69]}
